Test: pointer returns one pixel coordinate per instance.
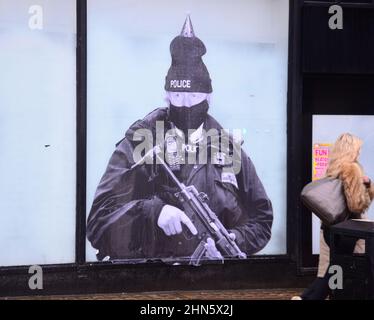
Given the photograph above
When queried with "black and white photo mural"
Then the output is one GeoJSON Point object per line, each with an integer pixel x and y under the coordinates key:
{"type": "Point", "coordinates": [186, 130]}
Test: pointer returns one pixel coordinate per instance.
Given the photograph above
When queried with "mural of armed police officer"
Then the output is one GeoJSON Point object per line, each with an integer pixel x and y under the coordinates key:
{"type": "Point", "coordinates": [135, 212]}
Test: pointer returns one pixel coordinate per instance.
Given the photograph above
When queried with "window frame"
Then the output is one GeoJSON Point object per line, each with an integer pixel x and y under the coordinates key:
{"type": "Point", "coordinates": [255, 272]}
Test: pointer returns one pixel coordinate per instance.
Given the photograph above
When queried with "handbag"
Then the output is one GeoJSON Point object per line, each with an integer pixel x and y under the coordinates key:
{"type": "Point", "coordinates": [326, 199]}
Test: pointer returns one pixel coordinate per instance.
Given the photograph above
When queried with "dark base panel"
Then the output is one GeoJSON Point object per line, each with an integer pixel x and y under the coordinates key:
{"type": "Point", "coordinates": [109, 278]}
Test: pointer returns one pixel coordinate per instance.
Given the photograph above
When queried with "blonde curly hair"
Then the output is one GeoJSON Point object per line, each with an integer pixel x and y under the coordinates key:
{"type": "Point", "coordinates": [345, 150]}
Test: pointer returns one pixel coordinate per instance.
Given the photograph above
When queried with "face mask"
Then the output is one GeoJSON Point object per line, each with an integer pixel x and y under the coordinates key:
{"type": "Point", "coordinates": [186, 118]}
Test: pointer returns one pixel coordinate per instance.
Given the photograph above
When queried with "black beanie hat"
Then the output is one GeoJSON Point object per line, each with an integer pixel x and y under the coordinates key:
{"type": "Point", "coordinates": [187, 72]}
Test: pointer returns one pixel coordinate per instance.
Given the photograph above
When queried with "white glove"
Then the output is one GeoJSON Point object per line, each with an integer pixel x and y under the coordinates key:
{"type": "Point", "coordinates": [211, 249]}
{"type": "Point", "coordinates": [171, 219]}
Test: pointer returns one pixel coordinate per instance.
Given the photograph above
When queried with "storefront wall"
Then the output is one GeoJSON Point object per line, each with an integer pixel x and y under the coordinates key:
{"type": "Point", "coordinates": [56, 129]}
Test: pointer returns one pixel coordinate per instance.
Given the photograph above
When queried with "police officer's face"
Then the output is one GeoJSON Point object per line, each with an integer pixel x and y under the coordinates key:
{"type": "Point", "coordinates": [186, 99]}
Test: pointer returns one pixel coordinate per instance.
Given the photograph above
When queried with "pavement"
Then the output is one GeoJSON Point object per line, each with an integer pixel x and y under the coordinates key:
{"type": "Point", "coordinates": [257, 294]}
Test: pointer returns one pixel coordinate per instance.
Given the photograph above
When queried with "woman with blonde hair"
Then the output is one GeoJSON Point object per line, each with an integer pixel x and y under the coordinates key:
{"type": "Point", "coordinates": [359, 192]}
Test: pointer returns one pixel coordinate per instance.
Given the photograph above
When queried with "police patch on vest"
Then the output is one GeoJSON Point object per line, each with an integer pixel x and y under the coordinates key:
{"type": "Point", "coordinates": [180, 84]}
{"type": "Point", "coordinates": [221, 159]}
{"type": "Point", "coordinates": [229, 177]}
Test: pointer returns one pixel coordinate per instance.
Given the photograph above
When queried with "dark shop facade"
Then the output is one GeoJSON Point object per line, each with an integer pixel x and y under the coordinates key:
{"type": "Point", "coordinates": [86, 87]}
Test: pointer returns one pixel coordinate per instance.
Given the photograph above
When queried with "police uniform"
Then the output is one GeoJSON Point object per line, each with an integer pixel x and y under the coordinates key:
{"type": "Point", "coordinates": [122, 223]}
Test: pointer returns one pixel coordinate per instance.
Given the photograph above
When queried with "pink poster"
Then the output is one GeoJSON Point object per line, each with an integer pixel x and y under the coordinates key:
{"type": "Point", "coordinates": [320, 159]}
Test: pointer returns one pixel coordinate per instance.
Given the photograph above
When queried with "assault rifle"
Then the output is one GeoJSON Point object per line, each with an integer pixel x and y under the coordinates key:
{"type": "Point", "coordinates": [205, 220]}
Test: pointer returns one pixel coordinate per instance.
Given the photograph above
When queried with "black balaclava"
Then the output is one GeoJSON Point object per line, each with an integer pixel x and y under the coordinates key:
{"type": "Point", "coordinates": [188, 73]}
{"type": "Point", "coordinates": [188, 117]}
